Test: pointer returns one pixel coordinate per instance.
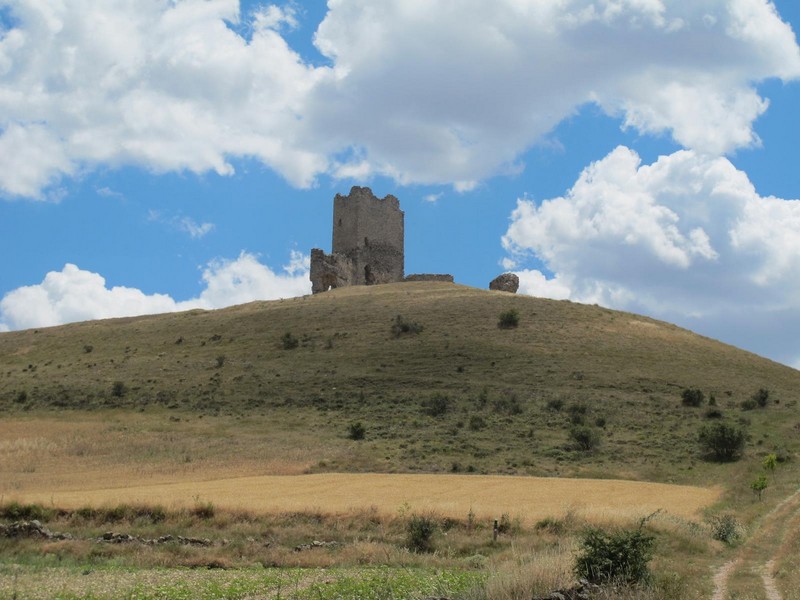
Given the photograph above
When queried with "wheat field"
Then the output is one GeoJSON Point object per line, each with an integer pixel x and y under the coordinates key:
{"type": "Point", "coordinates": [486, 496]}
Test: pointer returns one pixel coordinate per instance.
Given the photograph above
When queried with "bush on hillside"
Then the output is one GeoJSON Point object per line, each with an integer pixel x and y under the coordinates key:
{"type": "Point", "coordinates": [692, 397]}
{"type": "Point", "coordinates": [722, 442]}
{"type": "Point", "coordinates": [401, 326]}
{"type": "Point", "coordinates": [585, 438]}
{"type": "Point", "coordinates": [761, 397]}
{"type": "Point", "coordinates": [356, 431]}
{"type": "Point", "coordinates": [436, 405]}
{"type": "Point", "coordinates": [749, 404]}
{"type": "Point", "coordinates": [119, 389]}
{"type": "Point", "coordinates": [508, 319]}
{"type": "Point", "coordinates": [289, 342]}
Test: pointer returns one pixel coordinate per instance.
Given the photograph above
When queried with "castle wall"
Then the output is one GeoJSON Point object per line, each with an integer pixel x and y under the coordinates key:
{"type": "Point", "coordinates": [438, 277]}
{"type": "Point", "coordinates": [360, 219]}
{"type": "Point", "coordinates": [330, 271]}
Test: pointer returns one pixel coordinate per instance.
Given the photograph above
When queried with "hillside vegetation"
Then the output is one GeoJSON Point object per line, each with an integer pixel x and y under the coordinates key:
{"type": "Point", "coordinates": [421, 370]}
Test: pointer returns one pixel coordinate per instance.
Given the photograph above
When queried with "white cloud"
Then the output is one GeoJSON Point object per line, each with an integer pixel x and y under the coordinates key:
{"type": "Point", "coordinates": [421, 91]}
{"type": "Point", "coordinates": [447, 92]}
{"type": "Point", "coordinates": [107, 192]}
{"type": "Point", "coordinates": [687, 239]}
{"type": "Point", "coordinates": [73, 294]}
{"type": "Point", "coordinates": [275, 17]}
{"type": "Point", "coordinates": [159, 84]}
{"type": "Point", "coordinates": [194, 229]}
{"type": "Point", "coordinates": [185, 224]}
{"type": "Point", "coordinates": [433, 198]}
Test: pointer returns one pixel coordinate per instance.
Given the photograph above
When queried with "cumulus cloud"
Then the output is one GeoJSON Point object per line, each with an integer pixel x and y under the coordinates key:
{"type": "Point", "coordinates": [73, 294]}
{"type": "Point", "coordinates": [453, 92]}
{"type": "Point", "coordinates": [686, 238]}
{"type": "Point", "coordinates": [155, 83]}
{"type": "Point", "coordinates": [418, 90]}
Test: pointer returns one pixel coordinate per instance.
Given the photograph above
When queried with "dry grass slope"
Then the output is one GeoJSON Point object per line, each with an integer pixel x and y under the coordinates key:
{"type": "Point", "coordinates": [619, 373]}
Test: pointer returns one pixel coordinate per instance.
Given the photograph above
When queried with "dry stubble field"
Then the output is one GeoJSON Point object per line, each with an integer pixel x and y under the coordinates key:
{"type": "Point", "coordinates": [85, 461]}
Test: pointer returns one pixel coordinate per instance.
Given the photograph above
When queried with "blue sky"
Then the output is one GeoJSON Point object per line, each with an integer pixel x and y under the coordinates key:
{"type": "Point", "coordinates": [638, 154]}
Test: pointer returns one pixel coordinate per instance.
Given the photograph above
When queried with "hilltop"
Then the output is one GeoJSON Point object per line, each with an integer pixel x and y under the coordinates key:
{"type": "Point", "coordinates": [454, 393]}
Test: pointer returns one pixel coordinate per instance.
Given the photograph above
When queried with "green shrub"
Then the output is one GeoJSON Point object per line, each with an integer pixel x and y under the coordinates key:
{"type": "Point", "coordinates": [476, 423]}
{"type": "Point", "coordinates": [692, 397]}
{"type": "Point", "coordinates": [508, 319]}
{"type": "Point", "coordinates": [22, 397]}
{"type": "Point", "coordinates": [14, 511]}
{"type": "Point", "coordinates": [555, 405]}
{"type": "Point", "coordinates": [508, 404]}
{"type": "Point", "coordinates": [585, 438]}
{"type": "Point", "coordinates": [119, 389]}
{"type": "Point", "coordinates": [356, 431]}
{"type": "Point", "coordinates": [749, 404]}
{"type": "Point", "coordinates": [725, 528]}
{"type": "Point", "coordinates": [713, 413]}
{"type": "Point", "coordinates": [436, 405]}
{"type": "Point", "coordinates": [722, 442]}
{"type": "Point", "coordinates": [401, 326]}
{"type": "Point", "coordinates": [618, 556]}
{"type": "Point", "coordinates": [419, 533]}
{"type": "Point", "coordinates": [289, 342]}
{"type": "Point", "coordinates": [761, 397]}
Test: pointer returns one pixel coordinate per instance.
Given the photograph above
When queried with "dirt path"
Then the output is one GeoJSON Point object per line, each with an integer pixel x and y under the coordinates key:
{"type": "Point", "coordinates": [721, 579]}
{"type": "Point", "coordinates": [771, 533]}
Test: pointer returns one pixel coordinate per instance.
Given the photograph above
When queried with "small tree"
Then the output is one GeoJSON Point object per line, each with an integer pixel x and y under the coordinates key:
{"type": "Point", "coordinates": [770, 462]}
{"type": "Point", "coordinates": [759, 485]}
{"type": "Point", "coordinates": [692, 397]}
{"type": "Point", "coordinates": [508, 319]}
{"type": "Point", "coordinates": [722, 442]}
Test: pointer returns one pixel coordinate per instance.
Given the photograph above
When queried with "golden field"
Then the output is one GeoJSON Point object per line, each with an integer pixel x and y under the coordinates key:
{"type": "Point", "coordinates": [529, 498]}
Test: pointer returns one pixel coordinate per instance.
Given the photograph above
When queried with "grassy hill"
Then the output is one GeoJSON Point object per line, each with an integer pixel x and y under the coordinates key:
{"type": "Point", "coordinates": [460, 394]}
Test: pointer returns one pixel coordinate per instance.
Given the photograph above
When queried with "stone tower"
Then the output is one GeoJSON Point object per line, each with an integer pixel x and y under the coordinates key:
{"type": "Point", "coordinates": [368, 241]}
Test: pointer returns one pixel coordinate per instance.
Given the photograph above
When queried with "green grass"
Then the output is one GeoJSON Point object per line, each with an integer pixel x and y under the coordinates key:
{"type": "Point", "coordinates": [92, 583]}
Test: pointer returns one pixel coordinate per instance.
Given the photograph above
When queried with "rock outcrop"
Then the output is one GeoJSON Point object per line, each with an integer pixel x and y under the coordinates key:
{"type": "Point", "coordinates": [507, 282]}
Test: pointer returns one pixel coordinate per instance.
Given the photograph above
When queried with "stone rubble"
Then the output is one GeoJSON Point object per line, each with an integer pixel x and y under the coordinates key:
{"type": "Point", "coordinates": [32, 528]}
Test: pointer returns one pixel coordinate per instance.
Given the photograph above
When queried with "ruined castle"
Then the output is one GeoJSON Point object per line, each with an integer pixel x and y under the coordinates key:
{"type": "Point", "coordinates": [368, 246]}
{"type": "Point", "coordinates": [368, 238]}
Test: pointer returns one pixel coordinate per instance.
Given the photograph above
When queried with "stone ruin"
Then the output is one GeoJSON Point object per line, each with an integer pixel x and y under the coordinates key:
{"type": "Point", "coordinates": [507, 282]}
{"type": "Point", "coordinates": [368, 238]}
{"type": "Point", "coordinates": [368, 247]}
{"type": "Point", "coordinates": [368, 244]}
